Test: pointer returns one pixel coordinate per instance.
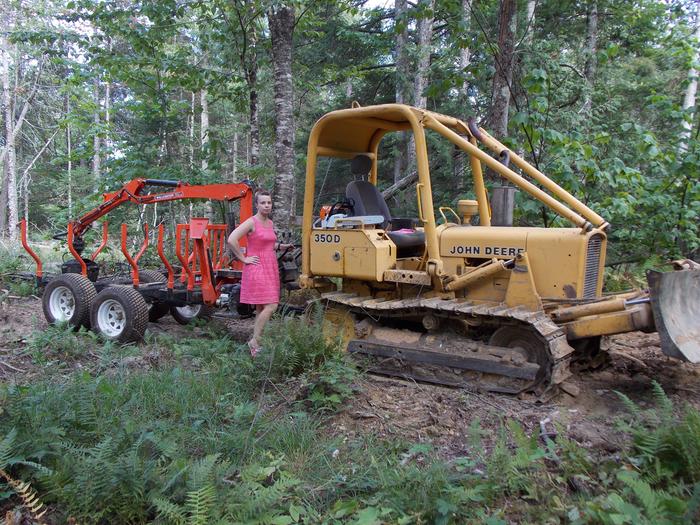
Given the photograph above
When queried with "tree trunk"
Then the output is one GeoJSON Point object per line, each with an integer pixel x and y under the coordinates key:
{"type": "Point", "coordinates": [254, 133]}
{"type": "Point", "coordinates": [692, 89]}
{"type": "Point", "coordinates": [530, 21]}
{"type": "Point", "coordinates": [8, 117]}
{"type": "Point", "coordinates": [402, 81]}
{"type": "Point", "coordinates": [203, 145]}
{"type": "Point", "coordinates": [96, 161]}
{"type": "Point", "coordinates": [591, 61]}
{"type": "Point", "coordinates": [190, 132]}
{"type": "Point", "coordinates": [251, 75]}
{"type": "Point", "coordinates": [503, 78]}
{"type": "Point", "coordinates": [423, 48]}
{"type": "Point", "coordinates": [108, 97]}
{"type": "Point", "coordinates": [204, 130]}
{"type": "Point", "coordinates": [69, 150]}
{"type": "Point", "coordinates": [502, 208]}
{"type": "Point", "coordinates": [401, 55]}
{"type": "Point", "coordinates": [281, 22]}
{"type": "Point", "coordinates": [234, 157]}
{"type": "Point", "coordinates": [10, 160]}
{"type": "Point", "coordinates": [25, 194]}
{"type": "Point", "coordinates": [459, 157]}
{"type": "Point", "coordinates": [26, 175]}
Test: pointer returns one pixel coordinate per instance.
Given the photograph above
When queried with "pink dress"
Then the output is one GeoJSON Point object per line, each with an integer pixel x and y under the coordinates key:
{"type": "Point", "coordinates": [260, 283]}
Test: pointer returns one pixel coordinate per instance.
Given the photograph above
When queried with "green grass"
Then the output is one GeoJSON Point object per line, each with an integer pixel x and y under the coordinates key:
{"type": "Point", "coordinates": [212, 436]}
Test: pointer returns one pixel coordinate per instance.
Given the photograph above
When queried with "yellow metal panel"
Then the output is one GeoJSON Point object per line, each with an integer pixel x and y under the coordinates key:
{"type": "Point", "coordinates": [636, 318]}
{"type": "Point", "coordinates": [356, 253]}
{"type": "Point", "coordinates": [359, 263]}
{"type": "Point", "coordinates": [521, 287]}
{"type": "Point", "coordinates": [556, 256]}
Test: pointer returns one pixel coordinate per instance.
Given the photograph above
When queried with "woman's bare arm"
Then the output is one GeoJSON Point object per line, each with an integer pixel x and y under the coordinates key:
{"type": "Point", "coordinates": [244, 228]}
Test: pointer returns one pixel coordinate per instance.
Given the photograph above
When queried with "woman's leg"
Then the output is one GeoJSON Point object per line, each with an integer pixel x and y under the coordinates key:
{"type": "Point", "coordinates": [264, 312]}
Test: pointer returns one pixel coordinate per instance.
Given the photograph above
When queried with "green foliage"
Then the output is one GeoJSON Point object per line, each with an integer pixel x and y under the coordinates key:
{"type": "Point", "coordinates": [298, 345]}
{"type": "Point", "coordinates": [189, 446]}
{"type": "Point", "coordinates": [624, 276]}
{"type": "Point", "coordinates": [667, 445]}
{"type": "Point", "coordinates": [59, 342]}
{"type": "Point", "coordinates": [330, 386]}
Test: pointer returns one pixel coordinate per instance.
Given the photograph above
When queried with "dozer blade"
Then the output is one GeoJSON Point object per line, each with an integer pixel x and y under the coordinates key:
{"type": "Point", "coordinates": [675, 302]}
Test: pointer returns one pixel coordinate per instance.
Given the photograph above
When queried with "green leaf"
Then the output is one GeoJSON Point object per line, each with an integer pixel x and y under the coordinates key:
{"type": "Point", "coordinates": [296, 512]}
{"type": "Point", "coordinates": [368, 516]}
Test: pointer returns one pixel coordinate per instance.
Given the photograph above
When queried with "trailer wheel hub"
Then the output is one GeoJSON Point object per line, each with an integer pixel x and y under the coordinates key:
{"type": "Point", "coordinates": [62, 303]}
{"type": "Point", "coordinates": [111, 318]}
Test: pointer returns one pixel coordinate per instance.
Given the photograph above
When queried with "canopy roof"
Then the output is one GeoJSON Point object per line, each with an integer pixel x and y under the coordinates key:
{"type": "Point", "coordinates": [347, 132]}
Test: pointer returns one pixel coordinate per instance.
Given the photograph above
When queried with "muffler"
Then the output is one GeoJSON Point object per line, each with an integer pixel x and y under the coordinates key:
{"type": "Point", "coordinates": [675, 303]}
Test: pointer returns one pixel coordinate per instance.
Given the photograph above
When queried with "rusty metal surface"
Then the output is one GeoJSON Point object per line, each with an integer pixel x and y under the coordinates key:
{"type": "Point", "coordinates": [408, 276]}
{"type": "Point", "coordinates": [675, 302]}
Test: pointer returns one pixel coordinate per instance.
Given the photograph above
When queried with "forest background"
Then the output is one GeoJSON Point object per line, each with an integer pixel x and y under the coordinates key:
{"type": "Point", "coordinates": [599, 95]}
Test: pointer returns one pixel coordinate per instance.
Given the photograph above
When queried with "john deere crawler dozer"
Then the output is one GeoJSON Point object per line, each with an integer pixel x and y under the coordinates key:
{"type": "Point", "coordinates": [506, 309]}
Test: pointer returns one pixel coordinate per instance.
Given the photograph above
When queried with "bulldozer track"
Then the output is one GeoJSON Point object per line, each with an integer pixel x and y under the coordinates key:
{"type": "Point", "coordinates": [552, 337]}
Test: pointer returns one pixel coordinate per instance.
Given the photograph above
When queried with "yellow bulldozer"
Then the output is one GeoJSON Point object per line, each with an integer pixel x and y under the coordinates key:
{"type": "Point", "coordinates": [446, 297]}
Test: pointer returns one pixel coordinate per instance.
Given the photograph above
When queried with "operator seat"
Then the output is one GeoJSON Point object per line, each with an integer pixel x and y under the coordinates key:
{"type": "Point", "coordinates": [367, 200]}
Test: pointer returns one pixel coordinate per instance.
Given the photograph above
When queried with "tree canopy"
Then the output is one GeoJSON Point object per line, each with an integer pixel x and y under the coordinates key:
{"type": "Point", "coordinates": [100, 92]}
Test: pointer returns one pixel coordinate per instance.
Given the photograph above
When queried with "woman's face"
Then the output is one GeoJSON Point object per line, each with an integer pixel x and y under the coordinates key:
{"type": "Point", "coordinates": [264, 204]}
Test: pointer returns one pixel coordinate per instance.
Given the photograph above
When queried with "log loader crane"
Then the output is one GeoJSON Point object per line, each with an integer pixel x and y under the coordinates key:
{"type": "Point", "coordinates": [119, 307]}
{"type": "Point", "coordinates": [463, 302]}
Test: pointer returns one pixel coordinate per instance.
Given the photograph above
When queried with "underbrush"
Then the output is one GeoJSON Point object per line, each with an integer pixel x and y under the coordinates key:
{"type": "Point", "coordinates": [212, 436]}
{"type": "Point", "coordinates": [627, 275]}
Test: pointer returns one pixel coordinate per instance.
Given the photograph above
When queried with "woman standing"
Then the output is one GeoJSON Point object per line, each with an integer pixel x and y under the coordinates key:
{"type": "Point", "coordinates": [260, 284]}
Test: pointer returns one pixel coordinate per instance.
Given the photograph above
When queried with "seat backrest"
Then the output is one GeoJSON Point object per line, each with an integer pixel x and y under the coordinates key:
{"type": "Point", "coordinates": [367, 200]}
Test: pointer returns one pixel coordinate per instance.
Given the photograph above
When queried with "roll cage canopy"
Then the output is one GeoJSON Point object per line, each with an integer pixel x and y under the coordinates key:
{"type": "Point", "coordinates": [358, 130]}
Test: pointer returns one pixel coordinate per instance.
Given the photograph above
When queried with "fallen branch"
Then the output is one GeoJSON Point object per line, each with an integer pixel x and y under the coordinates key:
{"type": "Point", "coordinates": [400, 185]}
{"type": "Point", "coordinates": [8, 365]}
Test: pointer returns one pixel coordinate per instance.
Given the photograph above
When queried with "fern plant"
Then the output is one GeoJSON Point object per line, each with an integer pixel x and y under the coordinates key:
{"type": "Point", "coordinates": [109, 481]}
{"type": "Point", "coordinates": [200, 506]}
{"type": "Point", "coordinates": [298, 344]}
{"type": "Point", "coordinates": [23, 489]}
{"type": "Point", "coordinates": [666, 445]}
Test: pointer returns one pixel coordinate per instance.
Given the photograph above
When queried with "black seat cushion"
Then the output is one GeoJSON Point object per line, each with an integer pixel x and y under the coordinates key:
{"type": "Point", "coordinates": [367, 200]}
{"type": "Point", "coordinates": [409, 244]}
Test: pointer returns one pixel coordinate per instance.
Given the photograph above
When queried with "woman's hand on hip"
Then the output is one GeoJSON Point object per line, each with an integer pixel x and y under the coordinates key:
{"type": "Point", "coordinates": [254, 259]}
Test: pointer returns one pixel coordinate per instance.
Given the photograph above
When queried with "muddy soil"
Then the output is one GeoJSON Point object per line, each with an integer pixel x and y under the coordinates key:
{"type": "Point", "coordinates": [413, 412]}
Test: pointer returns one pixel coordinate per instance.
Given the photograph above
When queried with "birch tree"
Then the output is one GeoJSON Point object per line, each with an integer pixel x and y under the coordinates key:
{"type": "Point", "coordinates": [590, 55]}
{"type": "Point", "coordinates": [281, 22]}
{"type": "Point", "coordinates": [692, 88]}
{"type": "Point", "coordinates": [13, 126]}
{"type": "Point", "coordinates": [96, 158]}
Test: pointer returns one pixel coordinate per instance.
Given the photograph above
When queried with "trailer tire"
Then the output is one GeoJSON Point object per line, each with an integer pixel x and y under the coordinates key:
{"type": "Point", "coordinates": [187, 314]}
{"type": "Point", "coordinates": [68, 299]}
{"type": "Point", "coordinates": [156, 310]}
{"type": "Point", "coordinates": [120, 313]}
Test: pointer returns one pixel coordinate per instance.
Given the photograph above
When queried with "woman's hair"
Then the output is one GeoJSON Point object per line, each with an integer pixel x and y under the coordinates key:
{"type": "Point", "coordinates": [261, 193]}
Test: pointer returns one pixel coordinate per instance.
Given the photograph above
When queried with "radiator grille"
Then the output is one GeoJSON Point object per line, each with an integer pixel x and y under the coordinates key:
{"type": "Point", "coordinates": [590, 279]}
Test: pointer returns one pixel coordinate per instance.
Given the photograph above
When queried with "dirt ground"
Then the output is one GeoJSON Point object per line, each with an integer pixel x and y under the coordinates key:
{"type": "Point", "coordinates": [424, 413]}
